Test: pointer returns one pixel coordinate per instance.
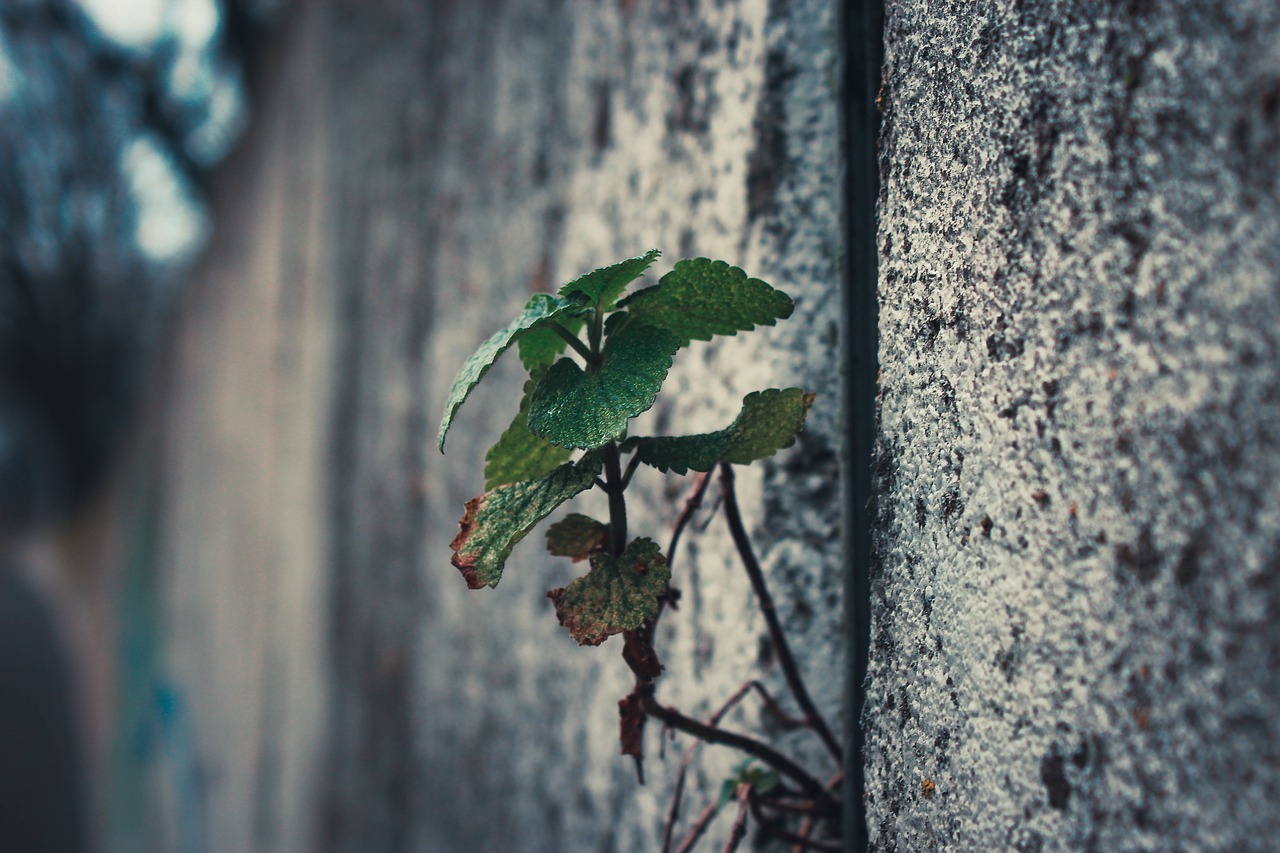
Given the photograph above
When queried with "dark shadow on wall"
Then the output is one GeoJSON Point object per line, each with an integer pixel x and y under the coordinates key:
{"type": "Point", "coordinates": [41, 797]}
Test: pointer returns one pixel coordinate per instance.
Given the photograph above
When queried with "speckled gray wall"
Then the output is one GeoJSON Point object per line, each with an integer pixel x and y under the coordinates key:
{"type": "Point", "coordinates": [583, 134]}
{"type": "Point", "coordinates": [1076, 630]}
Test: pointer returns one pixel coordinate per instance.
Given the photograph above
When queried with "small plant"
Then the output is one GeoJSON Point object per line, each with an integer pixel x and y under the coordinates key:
{"type": "Point", "coordinates": [584, 402]}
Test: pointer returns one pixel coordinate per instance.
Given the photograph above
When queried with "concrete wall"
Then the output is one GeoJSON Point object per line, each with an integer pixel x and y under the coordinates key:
{"type": "Point", "coordinates": [1075, 598]}
{"type": "Point", "coordinates": [417, 171]}
{"type": "Point", "coordinates": [1075, 639]}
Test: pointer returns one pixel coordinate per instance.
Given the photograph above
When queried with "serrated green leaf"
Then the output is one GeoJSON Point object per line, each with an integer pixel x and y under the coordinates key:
{"type": "Point", "coordinates": [539, 310]}
{"type": "Point", "coordinates": [615, 596]}
{"type": "Point", "coordinates": [700, 298]}
{"type": "Point", "coordinates": [576, 536]}
{"type": "Point", "coordinates": [543, 344]}
{"type": "Point", "coordinates": [576, 408]}
{"type": "Point", "coordinates": [769, 421]}
{"type": "Point", "coordinates": [495, 521]}
{"type": "Point", "coordinates": [599, 289]}
{"type": "Point", "coordinates": [603, 286]}
{"type": "Point", "coordinates": [519, 454]}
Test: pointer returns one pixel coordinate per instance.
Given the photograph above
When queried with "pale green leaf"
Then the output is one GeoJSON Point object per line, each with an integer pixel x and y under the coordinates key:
{"type": "Point", "coordinates": [541, 309]}
{"type": "Point", "coordinates": [576, 536]}
{"type": "Point", "coordinates": [762, 779]}
{"type": "Point", "coordinates": [615, 596]}
{"type": "Point", "coordinates": [495, 521]}
{"type": "Point", "coordinates": [519, 454]}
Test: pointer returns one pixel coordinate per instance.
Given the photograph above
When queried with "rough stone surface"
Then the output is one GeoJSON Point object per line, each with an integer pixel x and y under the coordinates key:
{"type": "Point", "coordinates": [429, 166]}
{"type": "Point", "coordinates": [1075, 639]}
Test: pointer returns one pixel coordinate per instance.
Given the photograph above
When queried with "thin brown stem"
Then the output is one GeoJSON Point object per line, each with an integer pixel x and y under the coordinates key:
{"type": "Point", "coordinates": [805, 829]}
{"type": "Point", "coordinates": [699, 827]}
{"type": "Point", "coordinates": [802, 807]}
{"type": "Point", "coordinates": [673, 813]}
{"type": "Point", "coordinates": [739, 830]}
{"type": "Point", "coordinates": [712, 734]}
{"type": "Point", "coordinates": [771, 705]}
{"type": "Point", "coordinates": [691, 506]}
{"type": "Point", "coordinates": [775, 830]}
{"type": "Point", "coordinates": [649, 629]}
{"type": "Point", "coordinates": [811, 821]}
{"type": "Point", "coordinates": [779, 638]}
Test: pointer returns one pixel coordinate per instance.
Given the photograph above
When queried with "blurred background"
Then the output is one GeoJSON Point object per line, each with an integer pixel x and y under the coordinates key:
{"type": "Point", "coordinates": [113, 117]}
{"type": "Point", "coordinates": [244, 246]}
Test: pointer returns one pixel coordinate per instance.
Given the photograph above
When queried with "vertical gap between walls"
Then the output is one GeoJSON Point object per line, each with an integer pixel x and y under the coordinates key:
{"type": "Point", "coordinates": [863, 30]}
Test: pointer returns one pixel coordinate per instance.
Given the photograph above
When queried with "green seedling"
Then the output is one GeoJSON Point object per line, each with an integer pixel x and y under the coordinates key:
{"type": "Point", "coordinates": [620, 350]}
{"type": "Point", "coordinates": [597, 358]}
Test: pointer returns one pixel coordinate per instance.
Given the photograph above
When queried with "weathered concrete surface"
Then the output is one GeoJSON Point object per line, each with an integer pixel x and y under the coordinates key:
{"type": "Point", "coordinates": [420, 171]}
{"type": "Point", "coordinates": [242, 480]}
{"type": "Point", "coordinates": [1076, 636]}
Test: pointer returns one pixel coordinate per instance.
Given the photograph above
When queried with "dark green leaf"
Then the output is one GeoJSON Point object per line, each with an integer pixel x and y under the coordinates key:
{"type": "Point", "coordinates": [614, 322]}
{"type": "Point", "coordinates": [768, 422]}
{"type": "Point", "coordinates": [603, 286]}
{"type": "Point", "coordinates": [576, 408]}
{"type": "Point", "coordinates": [576, 536]}
{"type": "Point", "coordinates": [501, 517]}
{"type": "Point", "coordinates": [539, 310]}
{"type": "Point", "coordinates": [600, 289]}
{"type": "Point", "coordinates": [615, 596]}
{"type": "Point", "coordinates": [519, 454]}
{"type": "Point", "coordinates": [700, 298]}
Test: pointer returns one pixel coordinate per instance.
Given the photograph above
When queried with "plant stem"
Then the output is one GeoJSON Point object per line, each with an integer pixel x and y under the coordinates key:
{"type": "Point", "coordinates": [771, 705]}
{"type": "Point", "coordinates": [573, 341]}
{"type": "Point", "coordinates": [676, 720]}
{"type": "Point", "coordinates": [699, 827]}
{"type": "Point", "coordinates": [774, 829]}
{"type": "Point", "coordinates": [613, 487]}
{"type": "Point", "coordinates": [673, 813]}
{"type": "Point", "coordinates": [686, 515]}
{"type": "Point", "coordinates": [776, 634]}
{"type": "Point", "coordinates": [810, 822]}
{"type": "Point", "coordinates": [595, 330]}
{"type": "Point", "coordinates": [739, 829]}
{"type": "Point", "coordinates": [631, 469]}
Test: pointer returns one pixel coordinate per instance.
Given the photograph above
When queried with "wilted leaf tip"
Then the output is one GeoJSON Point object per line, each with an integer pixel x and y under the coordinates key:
{"type": "Point", "coordinates": [631, 724]}
{"type": "Point", "coordinates": [466, 562]}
